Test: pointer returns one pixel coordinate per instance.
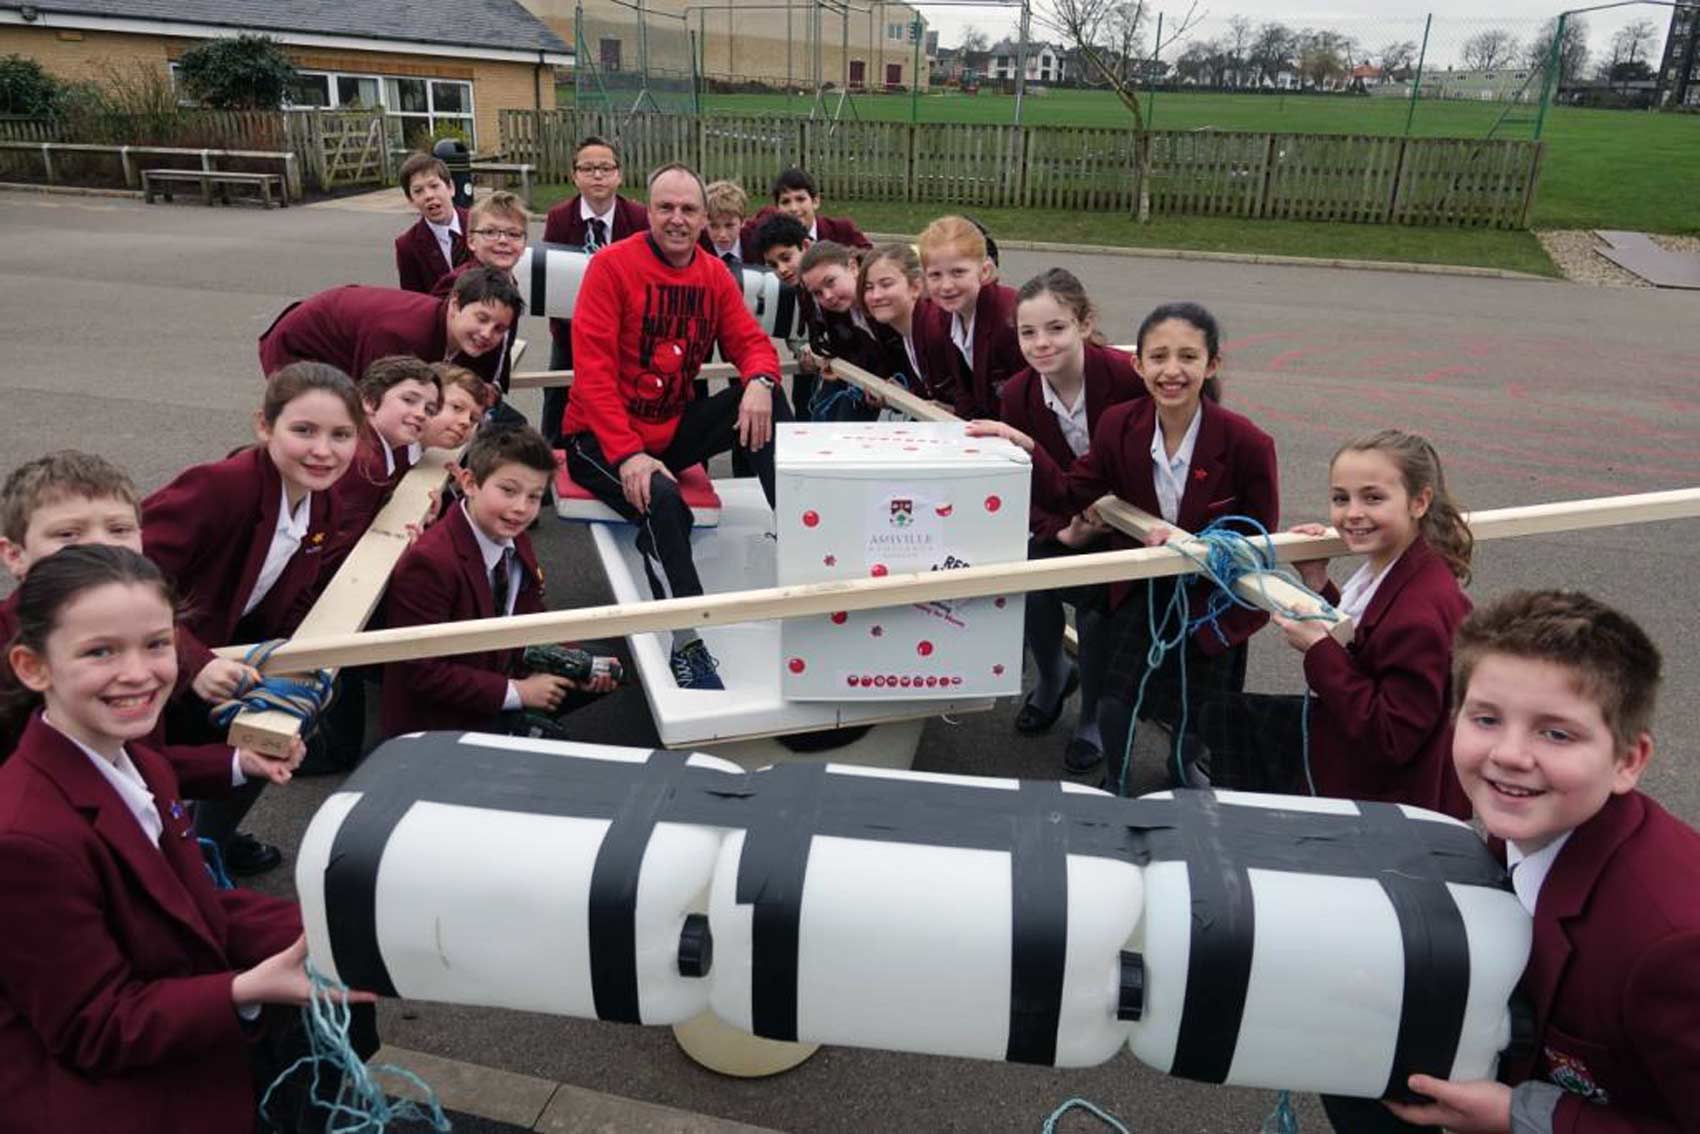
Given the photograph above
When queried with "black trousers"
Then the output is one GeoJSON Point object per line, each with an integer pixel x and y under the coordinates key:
{"type": "Point", "coordinates": [555, 397]}
{"type": "Point", "coordinates": [707, 428]}
{"type": "Point", "coordinates": [1256, 741]}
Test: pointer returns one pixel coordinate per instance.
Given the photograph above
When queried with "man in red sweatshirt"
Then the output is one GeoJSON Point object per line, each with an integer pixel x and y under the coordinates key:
{"type": "Point", "coordinates": [649, 311]}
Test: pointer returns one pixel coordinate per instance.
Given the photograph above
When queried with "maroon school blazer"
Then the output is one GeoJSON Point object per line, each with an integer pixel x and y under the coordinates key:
{"type": "Point", "coordinates": [441, 578]}
{"type": "Point", "coordinates": [352, 326]}
{"type": "Point", "coordinates": [927, 326]}
{"type": "Point", "coordinates": [997, 353]}
{"type": "Point", "coordinates": [115, 1010]}
{"type": "Point", "coordinates": [1614, 974]}
{"type": "Point", "coordinates": [1110, 380]}
{"type": "Point", "coordinates": [1380, 725]}
{"type": "Point", "coordinates": [1233, 473]}
{"type": "Point", "coordinates": [360, 495]}
{"type": "Point", "coordinates": [565, 224]}
{"type": "Point", "coordinates": [839, 230]}
{"type": "Point", "coordinates": [419, 258]}
{"type": "Point", "coordinates": [209, 531]}
{"type": "Point", "coordinates": [492, 366]}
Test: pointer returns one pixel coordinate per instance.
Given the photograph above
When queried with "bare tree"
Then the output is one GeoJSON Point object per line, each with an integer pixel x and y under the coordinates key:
{"type": "Point", "coordinates": [1572, 49]}
{"type": "Point", "coordinates": [1274, 52]}
{"type": "Point", "coordinates": [1325, 57]}
{"type": "Point", "coordinates": [1084, 25]}
{"type": "Point", "coordinates": [1124, 37]}
{"type": "Point", "coordinates": [1635, 42]}
{"type": "Point", "coordinates": [1238, 43]}
{"type": "Point", "coordinates": [1490, 50]}
{"type": "Point", "coordinates": [973, 39]}
{"type": "Point", "coordinates": [1398, 59]}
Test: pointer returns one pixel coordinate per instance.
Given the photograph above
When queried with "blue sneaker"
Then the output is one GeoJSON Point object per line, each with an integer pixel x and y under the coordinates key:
{"type": "Point", "coordinates": [694, 667]}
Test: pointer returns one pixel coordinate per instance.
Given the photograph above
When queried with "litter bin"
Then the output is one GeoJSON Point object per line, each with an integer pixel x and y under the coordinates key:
{"type": "Point", "coordinates": [458, 158]}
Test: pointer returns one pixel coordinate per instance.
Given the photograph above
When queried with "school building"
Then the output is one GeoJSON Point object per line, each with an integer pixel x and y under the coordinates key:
{"type": "Point", "coordinates": [430, 65]}
{"type": "Point", "coordinates": [772, 43]}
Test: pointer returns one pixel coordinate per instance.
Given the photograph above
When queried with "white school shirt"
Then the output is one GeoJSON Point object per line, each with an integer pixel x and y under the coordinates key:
{"type": "Point", "coordinates": [1359, 591]}
{"type": "Point", "coordinates": [1168, 474]}
{"type": "Point", "coordinates": [445, 234]}
{"type": "Point", "coordinates": [1529, 872]}
{"type": "Point", "coordinates": [589, 214]}
{"type": "Point", "coordinates": [414, 450]}
{"type": "Point", "coordinates": [291, 530]}
{"type": "Point", "coordinates": [1070, 419]}
{"type": "Point", "coordinates": [962, 334]}
{"type": "Point", "coordinates": [492, 553]}
{"type": "Point", "coordinates": [909, 349]}
{"type": "Point", "coordinates": [127, 781]}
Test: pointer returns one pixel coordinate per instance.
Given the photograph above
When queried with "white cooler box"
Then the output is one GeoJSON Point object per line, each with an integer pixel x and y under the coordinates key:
{"type": "Point", "coordinates": [886, 498]}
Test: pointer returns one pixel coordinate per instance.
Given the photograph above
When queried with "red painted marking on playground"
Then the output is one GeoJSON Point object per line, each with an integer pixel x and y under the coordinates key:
{"type": "Point", "coordinates": [1455, 370]}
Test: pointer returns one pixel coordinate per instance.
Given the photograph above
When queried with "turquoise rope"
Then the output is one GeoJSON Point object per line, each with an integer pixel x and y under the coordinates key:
{"type": "Point", "coordinates": [302, 698]}
{"type": "Point", "coordinates": [1229, 558]}
{"type": "Point", "coordinates": [361, 1105]}
{"type": "Point", "coordinates": [1077, 1103]}
{"type": "Point", "coordinates": [1283, 1119]}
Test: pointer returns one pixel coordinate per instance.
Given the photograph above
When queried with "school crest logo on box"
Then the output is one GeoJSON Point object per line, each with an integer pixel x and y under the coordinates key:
{"type": "Point", "coordinates": [1572, 1074]}
{"type": "Point", "coordinates": [902, 512]}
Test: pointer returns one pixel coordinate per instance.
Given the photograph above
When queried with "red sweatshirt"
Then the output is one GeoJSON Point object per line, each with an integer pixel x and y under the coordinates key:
{"type": "Point", "coordinates": [641, 331]}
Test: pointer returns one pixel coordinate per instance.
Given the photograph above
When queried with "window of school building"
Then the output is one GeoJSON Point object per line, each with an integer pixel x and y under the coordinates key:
{"type": "Point", "coordinates": [416, 109]}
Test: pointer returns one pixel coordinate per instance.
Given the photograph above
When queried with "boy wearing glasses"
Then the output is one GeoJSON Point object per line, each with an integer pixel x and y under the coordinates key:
{"type": "Point", "coordinates": [496, 238]}
{"type": "Point", "coordinates": [593, 219]}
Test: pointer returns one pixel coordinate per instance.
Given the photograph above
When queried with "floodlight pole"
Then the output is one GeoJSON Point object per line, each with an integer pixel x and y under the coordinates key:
{"type": "Point", "coordinates": [1417, 81]}
{"type": "Point", "coordinates": [1021, 57]}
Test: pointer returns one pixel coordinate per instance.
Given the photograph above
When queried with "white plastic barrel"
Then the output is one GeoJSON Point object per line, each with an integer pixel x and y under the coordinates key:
{"type": "Point", "coordinates": [550, 276]}
{"type": "Point", "coordinates": [1324, 1000]}
{"type": "Point", "coordinates": [479, 899]}
{"type": "Point", "coordinates": [908, 947]}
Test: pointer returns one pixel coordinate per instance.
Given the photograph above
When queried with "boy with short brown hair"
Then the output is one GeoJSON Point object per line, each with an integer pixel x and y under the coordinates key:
{"type": "Point", "coordinates": [1556, 694]}
{"type": "Point", "coordinates": [436, 243]}
{"type": "Point", "coordinates": [728, 205]}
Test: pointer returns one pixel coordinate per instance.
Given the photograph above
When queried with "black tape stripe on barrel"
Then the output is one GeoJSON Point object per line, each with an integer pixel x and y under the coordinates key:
{"type": "Point", "coordinates": [538, 303]}
{"type": "Point", "coordinates": [612, 916]}
{"type": "Point", "coordinates": [1218, 974]}
{"type": "Point", "coordinates": [785, 313]}
{"type": "Point", "coordinates": [351, 889]}
{"type": "Point", "coordinates": [1039, 896]}
{"type": "Point", "coordinates": [771, 874]}
{"type": "Point", "coordinates": [1437, 955]}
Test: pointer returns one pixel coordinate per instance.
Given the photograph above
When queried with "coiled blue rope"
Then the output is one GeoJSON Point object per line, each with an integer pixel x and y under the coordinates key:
{"type": "Point", "coordinates": [1089, 1107]}
{"type": "Point", "coordinates": [302, 698]}
{"type": "Point", "coordinates": [1230, 557]}
{"type": "Point", "coordinates": [361, 1105]}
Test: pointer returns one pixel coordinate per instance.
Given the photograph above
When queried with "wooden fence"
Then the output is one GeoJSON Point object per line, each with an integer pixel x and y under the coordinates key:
{"type": "Point", "coordinates": [1477, 182]}
{"type": "Point", "coordinates": [333, 149]}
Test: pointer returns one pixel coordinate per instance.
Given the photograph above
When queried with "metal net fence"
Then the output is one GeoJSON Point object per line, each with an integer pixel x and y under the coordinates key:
{"type": "Point", "coordinates": [632, 57]}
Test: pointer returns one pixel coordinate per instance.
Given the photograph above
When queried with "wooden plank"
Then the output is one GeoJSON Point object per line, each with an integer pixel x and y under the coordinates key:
{"type": "Point", "coordinates": [351, 596]}
{"type": "Point", "coordinates": [477, 635]}
{"type": "Point", "coordinates": [1272, 593]}
{"type": "Point", "coordinates": [891, 393]}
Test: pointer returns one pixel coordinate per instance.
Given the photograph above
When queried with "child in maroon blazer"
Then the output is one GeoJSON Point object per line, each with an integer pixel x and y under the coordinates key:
{"type": "Point", "coordinates": [1555, 713]}
{"type": "Point", "coordinates": [352, 326]}
{"type": "Point", "coordinates": [1377, 708]}
{"type": "Point", "coordinates": [399, 395]}
{"type": "Point", "coordinates": [795, 195]}
{"type": "Point", "coordinates": [1180, 455]}
{"type": "Point", "coordinates": [243, 540]}
{"type": "Point", "coordinates": [437, 241]}
{"type": "Point", "coordinates": [1071, 379]}
{"type": "Point", "coordinates": [476, 562]}
{"type": "Point", "coordinates": [497, 240]}
{"type": "Point", "coordinates": [595, 218]}
{"type": "Point", "coordinates": [906, 323]}
{"type": "Point", "coordinates": [981, 348]}
{"type": "Point", "coordinates": [131, 990]}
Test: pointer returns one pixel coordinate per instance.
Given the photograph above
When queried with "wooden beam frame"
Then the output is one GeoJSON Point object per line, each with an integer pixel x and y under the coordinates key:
{"type": "Point", "coordinates": [353, 593]}
{"type": "Point", "coordinates": [1270, 592]}
{"type": "Point", "coordinates": [376, 647]}
{"type": "Point", "coordinates": [890, 393]}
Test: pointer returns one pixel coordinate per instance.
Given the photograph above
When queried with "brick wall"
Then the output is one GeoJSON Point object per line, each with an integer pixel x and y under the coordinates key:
{"type": "Point", "coordinates": [80, 56]}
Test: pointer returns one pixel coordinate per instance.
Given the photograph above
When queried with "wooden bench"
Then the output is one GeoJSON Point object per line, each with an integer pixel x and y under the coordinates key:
{"type": "Point", "coordinates": [161, 180]}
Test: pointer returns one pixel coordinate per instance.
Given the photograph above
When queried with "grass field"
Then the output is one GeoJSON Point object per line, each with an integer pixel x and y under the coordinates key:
{"type": "Point", "coordinates": [1603, 168]}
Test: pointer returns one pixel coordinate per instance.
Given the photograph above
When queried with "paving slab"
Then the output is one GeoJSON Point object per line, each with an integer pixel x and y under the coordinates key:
{"type": "Point", "coordinates": [1636, 252]}
{"type": "Point", "coordinates": [488, 1092]}
{"type": "Point", "coordinates": [575, 1110]}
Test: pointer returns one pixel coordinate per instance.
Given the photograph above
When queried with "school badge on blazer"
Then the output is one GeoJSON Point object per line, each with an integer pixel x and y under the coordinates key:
{"type": "Point", "coordinates": [1572, 1074]}
{"type": "Point", "coordinates": [315, 544]}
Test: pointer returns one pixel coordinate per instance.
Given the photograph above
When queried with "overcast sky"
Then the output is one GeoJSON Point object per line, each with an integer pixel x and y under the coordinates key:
{"type": "Point", "coordinates": [1373, 23]}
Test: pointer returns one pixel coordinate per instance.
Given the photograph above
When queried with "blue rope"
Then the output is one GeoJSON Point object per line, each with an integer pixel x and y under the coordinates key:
{"type": "Point", "coordinates": [1229, 557]}
{"type": "Point", "coordinates": [1283, 1119]}
{"type": "Point", "coordinates": [214, 859]}
{"type": "Point", "coordinates": [1091, 1108]}
{"type": "Point", "coordinates": [302, 698]}
{"type": "Point", "coordinates": [361, 1105]}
